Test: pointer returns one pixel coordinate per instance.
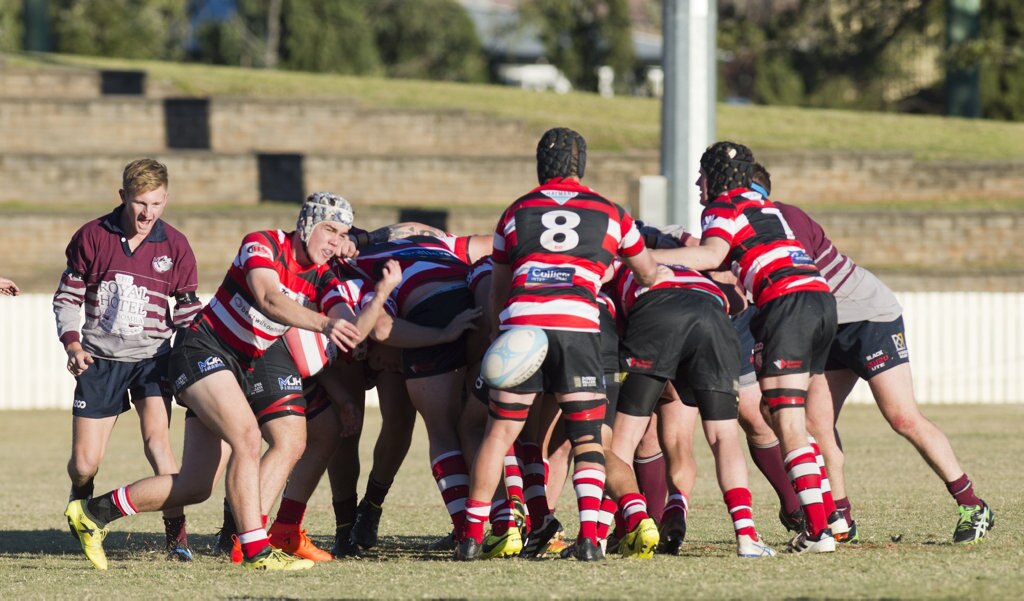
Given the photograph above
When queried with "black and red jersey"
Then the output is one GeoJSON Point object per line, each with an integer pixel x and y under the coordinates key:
{"type": "Point", "coordinates": [559, 239]}
{"type": "Point", "coordinates": [626, 290]}
{"type": "Point", "coordinates": [764, 252]}
{"type": "Point", "coordinates": [233, 313]}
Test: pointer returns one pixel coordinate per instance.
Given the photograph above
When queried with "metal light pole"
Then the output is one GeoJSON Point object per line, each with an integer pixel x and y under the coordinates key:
{"type": "Point", "coordinates": [688, 104]}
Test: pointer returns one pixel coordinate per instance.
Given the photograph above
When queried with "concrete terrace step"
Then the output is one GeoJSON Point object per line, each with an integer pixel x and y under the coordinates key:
{"type": "Point", "coordinates": [223, 124]}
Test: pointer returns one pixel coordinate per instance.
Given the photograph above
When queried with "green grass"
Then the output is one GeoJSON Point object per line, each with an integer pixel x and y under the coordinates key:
{"type": "Point", "coordinates": [619, 123]}
{"type": "Point", "coordinates": [896, 498]}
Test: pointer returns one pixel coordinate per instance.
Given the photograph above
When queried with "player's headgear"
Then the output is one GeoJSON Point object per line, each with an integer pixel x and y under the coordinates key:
{"type": "Point", "coordinates": [561, 152]}
{"type": "Point", "coordinates": [320, 207]}
{"type": "Point", "coordinates": [727, 165]}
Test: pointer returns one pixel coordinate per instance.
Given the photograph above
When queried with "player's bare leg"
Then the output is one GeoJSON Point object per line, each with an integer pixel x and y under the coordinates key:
{"type": "Point", "coordinates": [89, 438]}
{"type": "Point", "coordinates": [155, 423]}
{"type": "Point", "coordinates": [766, 452]}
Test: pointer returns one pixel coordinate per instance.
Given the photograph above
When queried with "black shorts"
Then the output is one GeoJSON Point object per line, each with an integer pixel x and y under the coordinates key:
{"type": "Point", "coordinates": [198, 353]}
{"type": "Point", "coordinates": [107, 387]}
{"type": "Point", "coordinates": [869, 347]}
{"type": "Point", "coordinates": [741, 321]}
{"type": "Point", "coordinates": [317, 400]}
{"type": "Point", "coordinates": [273, 386]}
{"type": "Point", "coordinates": [793, 333]}
{"type": "Point", "coordinates": [685, 336]}
{"type": "Point", "coordinates": [610, 360]}
{"type": "Point", "coordinates": [573, 364]}
{"type": "Point", "coordinates": [712, 404]}
{"type": "Point", "coordinates": [437, 312]}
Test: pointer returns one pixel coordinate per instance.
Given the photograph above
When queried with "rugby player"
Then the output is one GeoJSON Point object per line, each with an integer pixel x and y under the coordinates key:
{"type": "Point", "coordinates": [125, 268]}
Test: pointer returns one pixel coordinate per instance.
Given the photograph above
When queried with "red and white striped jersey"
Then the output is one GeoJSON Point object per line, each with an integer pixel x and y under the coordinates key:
{"type": "Point", "coordinates": [232, 312]}
{"type": "Point", "coordinates": [559, 239]}
{"type": "Point", "coordinates": [422, 259]}
{"type": "Point", "coordinates": [480, 270]}
{"type": "Point", "coordinates": [627, 290]}
{"type": "Point", "coordinates": [764, 252]}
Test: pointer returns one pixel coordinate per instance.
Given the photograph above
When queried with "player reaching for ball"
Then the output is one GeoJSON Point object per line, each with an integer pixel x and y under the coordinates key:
{"type": "Point", "coordinates": [551, 248]}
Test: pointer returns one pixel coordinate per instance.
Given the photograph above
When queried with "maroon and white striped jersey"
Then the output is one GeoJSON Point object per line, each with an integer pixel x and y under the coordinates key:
{"type": "Point", "coordinates": [627, 290]}
{"type": "Point", "coordinates": [559, 239]}
{"type": "Point", "coordinates": [860, 296]}
{"type": "Point", "coordinates": [127, 294]}
{"type": "Point", "coordinates": [423, 259]}
{"type": "Point", "coordinates": [233, 313]}
{"type": "Point", "coordinates": [479, 270]}
{"type": "Point", "coordinates": [763, 250]}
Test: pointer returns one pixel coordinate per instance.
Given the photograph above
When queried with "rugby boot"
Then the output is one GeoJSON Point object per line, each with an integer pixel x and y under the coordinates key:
{"type": "Point", "coordinates": [522, 517]}
{"type": "Point", "coordinates": [850, 537]}
{"type": "Point", "coordinates": [537, 542]}
{"type": "Point", "coordinates": [557, 544]}
{"type": "Point", "coordinates": [837, 524]}
{"type": "Point", "coordinates": [746, 546]}
{"type": "Point", "coordinates": [587, 550]}
{"type": "Point", "coordinates": [974, 523]}
{"type": "Point", "coordinates": [641, 541]}
{"type": "Point", "coordinates": [236, 550]}
{"type": "Point", "coordinates": [364, 529]}
{"type": "Point", "coordinates": [445, 543]}
{"type": "Point", "coordinates": [468, 550]}
{"type": "Point", "coordinates": [794, 522]}
{"type": "Point", "coordinates": [673, 533]}
{"type": "Point", "coordinates": [290, 538]}
{"type": "Point", "coordinates": [89, 534]}
{"type": "Point", "coordinates": [179, 551]}
{"type": "Point", "coordinates": [805, 543]}
{"type": "Point", "coordinates": [225, 541]}
{"type": "Point", "coordinates": [505, 545]}
{"type": "Point", "coordinates": [343, 545]}
{"type": "Point", "coordinates": [276, 559]}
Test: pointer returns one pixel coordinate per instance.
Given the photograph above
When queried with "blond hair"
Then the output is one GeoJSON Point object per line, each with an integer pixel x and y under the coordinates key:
{"type": "Point", "coordinates": [143, 175]}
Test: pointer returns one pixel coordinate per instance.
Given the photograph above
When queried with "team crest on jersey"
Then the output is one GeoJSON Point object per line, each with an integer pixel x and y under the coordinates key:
{"type": "Point", "coordinates": [560, 196]}
{"type": "Point", "coordinates": [549, 277]}
{"type": "Point", "coordinates": [256, 250]}
{"type": "Point", "coordinates": [163, 264]}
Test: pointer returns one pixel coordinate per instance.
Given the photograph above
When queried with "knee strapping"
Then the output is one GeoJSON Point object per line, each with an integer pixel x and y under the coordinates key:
{"type": "Point", "coordinates": [516, 412]}
{"type": "Point", "coordinates": [583, 420]}
{"type": "Point", "coordinates": [783, 398]}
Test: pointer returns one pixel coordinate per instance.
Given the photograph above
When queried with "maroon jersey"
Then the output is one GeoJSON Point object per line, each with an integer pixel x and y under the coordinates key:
{"type": "Point", "coordinates": [762, 248]}
{"type": "Point", "coordinates": [233, 313]}
{"type": "Point", "coordinates": [559, 239]}
{"type": "Point", "coordinates": [423, 259]}
{"type": "Point", "coordinates": [627, 290]}
{"type": "Point", "coordinates": [126, 293]}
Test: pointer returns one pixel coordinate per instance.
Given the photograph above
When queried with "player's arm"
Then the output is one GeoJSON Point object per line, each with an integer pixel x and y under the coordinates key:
{"type": "Point", "coordinates": [401, 333]}
{"type": "Point", "coordinates": [67, 306]}
{"type": "Point", "coordinates": [645, 268]}
{"type": "Point", "coordinates": [8, 287]}
{"type": "Point", "coordinates": [266, 289]}
{"type": "Point", "coordinates": [709, 255]}
{"type": "Point", "coordinates": [501, 286]}
{"type": "Point", "coordinates": [373, 310]}
{"type": "Point", "coordinates": [479, 247]}
{"type": "Point", "coordinates": [186, 302]}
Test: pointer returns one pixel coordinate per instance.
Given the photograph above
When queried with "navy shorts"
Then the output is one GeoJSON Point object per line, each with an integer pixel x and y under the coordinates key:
{"type": "Point", "coordinates": [437, 311]}
{"type": "Point", "coordinates": [869, 347]}
{"type": "Point", "coordinates": [793, 333]}
{"type": "Point", "coordinates": [741, 321]}
{"type": "Point", "coordinates": [108, 387]}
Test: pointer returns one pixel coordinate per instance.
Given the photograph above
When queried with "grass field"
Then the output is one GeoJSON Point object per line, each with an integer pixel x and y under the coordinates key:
{"type": "Point", "coordinates": [904, 514]}
{"type": "Point", "coordinates": [619, 123]}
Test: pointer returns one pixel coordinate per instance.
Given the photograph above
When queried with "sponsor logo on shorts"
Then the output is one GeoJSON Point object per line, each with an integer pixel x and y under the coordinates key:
{"type": "Point", "coordinates": [639, 363]}
{"type": "Point", "coordinates": [257, 388]}
{"type": "Point", "coordinates": [290, 383]}
{"type": "Point", "coordinates": [551, 277]}
{"type": "Point", "coordinates": [180, 382]}
{"type": "Point", "coordinates": [210, 364]}
{"type": "Point", "coordinates": [79, 404]}
{"type": "Point", "coordinates": [163, 264]}
{"type": "Point", "coordinates": [877, 361]}
{"type": "Point", "coordinates": [788, 363]}
{"type": "Point", "coordinates": [901, 345]}
{"type": "Point", "coordinates": [559, 196]}
{"type": "Point", "coordinates": [584, 381]}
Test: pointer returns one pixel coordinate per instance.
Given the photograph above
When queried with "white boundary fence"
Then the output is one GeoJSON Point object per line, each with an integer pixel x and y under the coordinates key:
{"type": "Point", "coordinates": [966, 348]}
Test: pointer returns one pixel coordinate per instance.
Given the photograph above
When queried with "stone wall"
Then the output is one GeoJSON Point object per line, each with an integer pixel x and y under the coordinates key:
{"type": "Point", "coordinates": [911, 251]}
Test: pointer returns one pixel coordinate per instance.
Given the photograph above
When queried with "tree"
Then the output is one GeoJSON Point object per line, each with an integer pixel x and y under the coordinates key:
{"type": "Point", "coordinates": [10, 25]}
{"type": "Point", "coordinates": [144, 29]}
{"type": "Point", "coordinates": [330, 36]}
{"type": "Point", "coordinates": [581, 35]}
{"type": "Point", "coordinates": [1001, 57]}
{"type": "Point", "coordinates": [412, 44]}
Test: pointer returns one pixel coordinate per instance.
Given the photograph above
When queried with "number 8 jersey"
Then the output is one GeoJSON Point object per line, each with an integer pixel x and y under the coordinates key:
{"type": "Point", "coordinates": [559, 240]}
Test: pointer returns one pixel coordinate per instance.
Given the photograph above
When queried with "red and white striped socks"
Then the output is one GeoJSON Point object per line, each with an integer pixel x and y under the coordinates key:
{"type": "Point", "coordinates": [589, 486]}
{"type": "Point", "coordinates": [738, 501]}
{"type": "Point", "coordinates": [803, 471]}
{"type": "Point", "coordinates": [452, 477]}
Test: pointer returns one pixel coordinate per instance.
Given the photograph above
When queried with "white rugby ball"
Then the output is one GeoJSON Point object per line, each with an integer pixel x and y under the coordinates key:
{"type": "Point", "coordinates": [514, 356]}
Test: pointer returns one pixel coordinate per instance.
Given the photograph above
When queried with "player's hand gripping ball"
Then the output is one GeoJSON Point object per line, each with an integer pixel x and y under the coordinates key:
{"type": "Point", "coordinates": [514, 356]}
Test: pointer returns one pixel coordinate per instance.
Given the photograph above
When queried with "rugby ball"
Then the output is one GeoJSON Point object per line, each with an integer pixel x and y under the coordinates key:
{"type": "Point", "coordinates": [514, 356]}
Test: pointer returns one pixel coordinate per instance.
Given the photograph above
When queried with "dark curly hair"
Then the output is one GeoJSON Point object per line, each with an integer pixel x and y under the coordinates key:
{"type": "Point", "coordinates": [727, 165]}
{"type": "Point", "coordinates": [561, 152]}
